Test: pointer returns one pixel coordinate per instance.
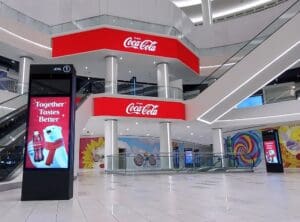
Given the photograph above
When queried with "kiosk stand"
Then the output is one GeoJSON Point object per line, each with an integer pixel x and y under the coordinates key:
{"type": "Point", "coordinates": [272, 151]}
{"type": "Point", "coordinates": [49, 151]}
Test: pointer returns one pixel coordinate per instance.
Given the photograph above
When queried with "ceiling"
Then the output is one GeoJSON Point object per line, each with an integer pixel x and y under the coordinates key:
{"type": "Point", "coordinates": [223, 9]}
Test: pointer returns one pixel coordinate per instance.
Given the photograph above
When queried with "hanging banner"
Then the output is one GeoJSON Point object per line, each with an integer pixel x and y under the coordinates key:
{"type": "Point", "coordinates": [124, 41]}
{"type": "Point", "coordinates": [138, 108]}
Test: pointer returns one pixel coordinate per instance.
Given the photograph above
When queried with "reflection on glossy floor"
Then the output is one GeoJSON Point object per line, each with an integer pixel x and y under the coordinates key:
{"type": "Point", "coordinates": [253, 197]}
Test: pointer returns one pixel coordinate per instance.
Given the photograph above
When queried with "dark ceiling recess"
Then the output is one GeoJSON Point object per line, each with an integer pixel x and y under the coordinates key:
{"type": "Point", "coordinates": [292, 75]}
{"type": "Point", "coordinates": [9, 64]}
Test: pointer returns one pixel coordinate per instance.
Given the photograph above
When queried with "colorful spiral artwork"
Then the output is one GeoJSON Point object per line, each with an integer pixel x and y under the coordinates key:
{"type": "Point", "coordinates": [247, 148]}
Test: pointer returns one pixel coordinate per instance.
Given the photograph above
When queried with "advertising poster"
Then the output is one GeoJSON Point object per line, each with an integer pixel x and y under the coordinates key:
{"type": "Point", "coordinates": [48, 133]}
{"type": "Point", "coordinates": [246, 148]}
{"type": "Point", "coordinates": [270, 151]}
{"type": "Point", "coordinates": [91, 154]}
{"type": "Point", "coordinates": [290, 145]}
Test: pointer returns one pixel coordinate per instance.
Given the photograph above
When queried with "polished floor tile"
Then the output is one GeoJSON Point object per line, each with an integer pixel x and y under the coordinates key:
{"type": "Point", "coordinates": [258, 197]}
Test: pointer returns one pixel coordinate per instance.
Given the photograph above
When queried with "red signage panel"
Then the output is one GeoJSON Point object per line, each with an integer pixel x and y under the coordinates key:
{"type": "Point", "coordinates": [138, 108]}
{"type": "Point", "coordinates": [48, 132]}
{"type": "Point", "coordinates": [271, 151]}
{"type": "Point", "coordinates": [125, 41]}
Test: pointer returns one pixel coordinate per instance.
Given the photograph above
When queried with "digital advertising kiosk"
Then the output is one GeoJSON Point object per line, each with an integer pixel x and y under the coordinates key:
{"type": "Point", "coordinates": [49, 150]}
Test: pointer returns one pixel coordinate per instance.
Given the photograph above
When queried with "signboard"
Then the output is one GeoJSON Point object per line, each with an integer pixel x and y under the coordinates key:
{"type": "Point", "coordinates": [49, 148]}
{"type": "Point", "coordinates": [48, 133]}
{"type": "Point", "coordinates": [138, 108]}
{"type": "Point", "coordinates": [124, 41]}
{"type": "Point", "coordinates": [270, 151]}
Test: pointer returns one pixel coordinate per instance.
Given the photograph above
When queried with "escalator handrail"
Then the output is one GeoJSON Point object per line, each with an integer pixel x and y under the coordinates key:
{"type": "Point", "coordinates": [1, 103]}
{"type": "Point", "coordinates": [13, 113]}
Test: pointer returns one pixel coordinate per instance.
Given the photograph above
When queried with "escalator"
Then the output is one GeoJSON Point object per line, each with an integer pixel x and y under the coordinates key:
{"type": "Point", "coordinates": [12, 132]}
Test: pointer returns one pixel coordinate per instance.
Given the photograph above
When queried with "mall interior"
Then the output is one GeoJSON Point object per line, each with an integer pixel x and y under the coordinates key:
{"type": "Point", "coordinates": [149, 110]}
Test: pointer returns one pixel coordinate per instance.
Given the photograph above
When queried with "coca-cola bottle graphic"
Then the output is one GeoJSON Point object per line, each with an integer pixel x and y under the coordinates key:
{"type": "Point", "coordinates": [38, 146]}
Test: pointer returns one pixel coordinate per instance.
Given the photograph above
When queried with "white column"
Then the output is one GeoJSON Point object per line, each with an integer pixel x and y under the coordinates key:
{"type": "Point", "coordinates": [166, 145]}
{"type": "Point", "coordinates": [111, 80]}
{"type": "Point", "coordinates": [207, 12]}
{"type": "Point", "coordinates": [111, 125]}
{"type": "Point", "coordinates": [163, 83]}
{"type": "Point", "coordinates": [218, 145]}
{"type": "Point", "coordinates": [24, 70]}
{"type": "Point", "coordinates": [111, 144]}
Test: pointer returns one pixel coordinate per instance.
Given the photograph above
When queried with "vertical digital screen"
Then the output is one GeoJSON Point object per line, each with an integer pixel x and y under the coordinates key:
{"type": "Point", "coordinates": [188, 157]}
{"type": "Point", "coordinates": [48, 133]}
{"type": "Point", "coordinates": [271, 151]}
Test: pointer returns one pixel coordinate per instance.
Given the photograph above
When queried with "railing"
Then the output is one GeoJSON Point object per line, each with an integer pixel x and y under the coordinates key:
{"type": "Point", "coordinates": [134, 89]}
{"type": "Point", "coordinates": [9, 84]}
{"type": "Point", "coordinates": [286, 16]}
{"type": "Point", "coordinates": [12, 104]}
{"type": "Point", "coordinates": [177, 162]}
{"type": "Point", "coordinates": [10, 158]}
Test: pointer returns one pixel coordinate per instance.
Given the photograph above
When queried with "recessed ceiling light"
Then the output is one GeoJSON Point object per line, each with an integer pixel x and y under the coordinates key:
{"type": "Point", "coordinates": [147, 134]}
{"type": "Point", "coordinates": [86, 68]}
{"type": "Point", "coordinates": [121, 134]}
{"type": "Point", "coordinates": [188, 127]}
{"type": "Point", "coordinates": [192, 134]}
{"type": "Point", "coordinates": [136, 123]}
{"type": "Point", "coordinates": [121, 58]}
{"type": "Point", "coordinates": [130, 71]}
{"type": "Point", "coordinates": [127, 129]}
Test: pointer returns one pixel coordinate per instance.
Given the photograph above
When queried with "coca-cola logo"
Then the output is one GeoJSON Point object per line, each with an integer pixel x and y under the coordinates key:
{"type": "Point", "coordinates": [139, 44]}
{"type": "Point", "coordinates": [142, 109]}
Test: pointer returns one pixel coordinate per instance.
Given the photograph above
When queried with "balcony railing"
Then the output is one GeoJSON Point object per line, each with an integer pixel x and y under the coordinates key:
{"type": "Point", "coordinates": [176, 162]}
{"type": "Point", "coordinates": [134, 89]}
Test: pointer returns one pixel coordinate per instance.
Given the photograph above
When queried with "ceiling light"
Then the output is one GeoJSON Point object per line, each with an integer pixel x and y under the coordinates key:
{"type": "Point", "coordinates": [147, 134]}
{"type": "Point", "coordinates": [86, 68]}
{"type": "Point", "coordinates": [186, 3]}
{"type": "Point", "coordinates": [188, 127]}
{"type": "Point", "coordinates": [121, 134]}
{"type": "Point", "coordinates": [127, 129]}
{"type": "Point", "coordinates": [130, 71]}
{"type": "Point", "coordinates": [136, 123]}
{"type": "Point", "coordinates": [192, 134]}
{"type": "Point", "coordinates": [24, 39]}
{"type": "Point", "coordinates": [121, 58]}
{"type": "Point", "coordinates": [240, 8]}
{"type": "Point", "coordinates": [217, 66]}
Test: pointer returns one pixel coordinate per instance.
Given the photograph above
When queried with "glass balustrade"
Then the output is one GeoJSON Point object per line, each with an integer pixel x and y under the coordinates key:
{"type": "Point", "coordinates": [176, 162]}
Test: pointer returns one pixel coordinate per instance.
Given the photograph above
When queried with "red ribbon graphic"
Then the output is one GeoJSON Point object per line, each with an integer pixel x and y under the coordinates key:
{"type": "Point", "coordinates": [52, 148]}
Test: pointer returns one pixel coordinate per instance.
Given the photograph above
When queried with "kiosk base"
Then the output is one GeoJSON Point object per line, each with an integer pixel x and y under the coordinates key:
{"type": "Point", "coordinates": [38, 185]}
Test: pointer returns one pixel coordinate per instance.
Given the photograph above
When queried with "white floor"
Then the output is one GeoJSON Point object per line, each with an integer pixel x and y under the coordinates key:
{"type": "Point", "coordinates": [253, 197]}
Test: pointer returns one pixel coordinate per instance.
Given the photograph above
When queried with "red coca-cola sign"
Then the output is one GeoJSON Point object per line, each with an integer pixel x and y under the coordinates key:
{"type": "Point", "coordinates": [142, 109]}
{"type": "Point", "coordinates": [139, 44]}
{"type": "Point", "coordinates": [138, 108]}
{"type": "Point", "coordinates": [125, 41]}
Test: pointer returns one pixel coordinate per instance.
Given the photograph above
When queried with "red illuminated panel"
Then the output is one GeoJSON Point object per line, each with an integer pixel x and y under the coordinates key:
{"type": "Point", "coordinates": [107, 106]}
{"type": "Point", "coordinates": [125, 41]}
{"type": "Point", "coordinates": [48, 133]}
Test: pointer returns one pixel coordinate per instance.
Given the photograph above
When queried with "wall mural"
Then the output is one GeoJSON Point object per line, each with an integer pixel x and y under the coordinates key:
{"type": "Point", "coordinates": [247, 146]}
{"type": "Point", "coordinates": [91, 153]}
{"type": "Point", "coordinates": [289, 137]}
{"type": "Point", "coordinates": [140, 151]}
